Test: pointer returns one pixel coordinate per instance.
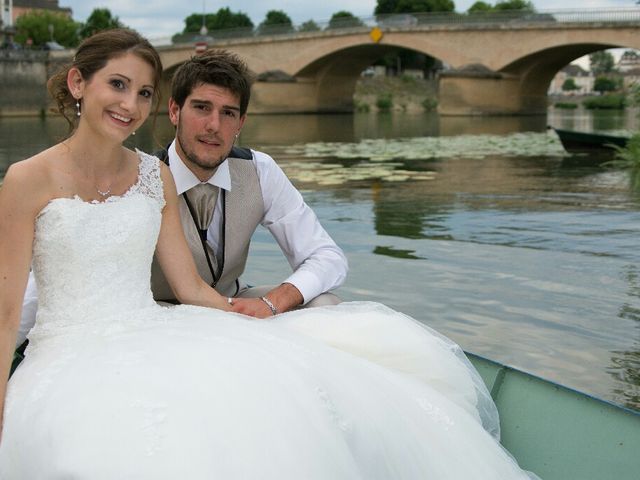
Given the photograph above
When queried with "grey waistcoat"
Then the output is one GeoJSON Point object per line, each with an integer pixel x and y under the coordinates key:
{"type": "Point", "coordinates": [243, 210]}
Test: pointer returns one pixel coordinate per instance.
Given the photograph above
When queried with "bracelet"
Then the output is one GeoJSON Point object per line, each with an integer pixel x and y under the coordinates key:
{"type": "Point", "coordinates": [271, 306]}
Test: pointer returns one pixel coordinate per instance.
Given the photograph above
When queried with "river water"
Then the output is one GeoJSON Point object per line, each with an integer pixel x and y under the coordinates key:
{"type": "Point", "coordinates": [483, 228]}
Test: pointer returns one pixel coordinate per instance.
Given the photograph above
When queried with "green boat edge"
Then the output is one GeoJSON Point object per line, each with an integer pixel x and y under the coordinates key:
{"type": "Point", "coordinates": [560, 433]}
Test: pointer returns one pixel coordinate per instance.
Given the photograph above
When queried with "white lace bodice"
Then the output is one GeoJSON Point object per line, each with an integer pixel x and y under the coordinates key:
{"type": "Point", "coordinates": [92, 260]}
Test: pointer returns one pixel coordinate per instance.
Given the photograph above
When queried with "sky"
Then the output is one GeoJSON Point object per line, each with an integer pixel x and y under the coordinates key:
{"type": "Point", "coordinates": [162, 18]}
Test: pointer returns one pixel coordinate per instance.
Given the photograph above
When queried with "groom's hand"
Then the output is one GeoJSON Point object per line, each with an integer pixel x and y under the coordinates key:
{"type": "Point", "coordinates": [254, 307]}
{"type": "Point", "coordinates": [279, 300]}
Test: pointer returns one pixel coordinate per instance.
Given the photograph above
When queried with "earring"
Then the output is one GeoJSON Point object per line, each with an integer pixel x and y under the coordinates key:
{"type": "Point", "coordinates": [133, 133]}
{"type": "Point", "coordinates": [78, 113]}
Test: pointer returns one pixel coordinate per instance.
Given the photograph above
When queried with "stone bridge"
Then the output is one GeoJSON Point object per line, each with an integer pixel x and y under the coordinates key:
{"type": "Point", "coordinates": [494, 67]}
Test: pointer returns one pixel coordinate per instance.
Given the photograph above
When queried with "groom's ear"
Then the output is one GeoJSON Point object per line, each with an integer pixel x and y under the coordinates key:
{"type": "Point", "coordinates": [174, 112]}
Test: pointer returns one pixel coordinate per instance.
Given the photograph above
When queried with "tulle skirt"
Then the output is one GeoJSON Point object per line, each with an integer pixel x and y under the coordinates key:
{"type": "Point", "coordinates": [354, 391]}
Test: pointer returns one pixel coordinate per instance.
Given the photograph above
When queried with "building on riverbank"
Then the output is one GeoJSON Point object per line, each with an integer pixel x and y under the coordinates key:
{"type": "Point", "coordinates": [10, 10]}
{"type": "Point", "coordinates": [20, 7]}
{"type": "Point", "coordinates": [582, 78]}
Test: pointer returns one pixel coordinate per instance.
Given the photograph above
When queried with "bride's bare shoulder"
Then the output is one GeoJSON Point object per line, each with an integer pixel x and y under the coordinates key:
{"type": "Point", "coordinates": [31, 180]}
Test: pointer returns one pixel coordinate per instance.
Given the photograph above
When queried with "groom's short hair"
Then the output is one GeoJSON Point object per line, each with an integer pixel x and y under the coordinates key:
{"type": "Point", "coordinates": [216, 67]}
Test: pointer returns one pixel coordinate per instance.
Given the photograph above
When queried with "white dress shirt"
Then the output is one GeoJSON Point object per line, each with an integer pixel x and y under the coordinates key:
{"type": "Point", "coordinates": [318, 264]}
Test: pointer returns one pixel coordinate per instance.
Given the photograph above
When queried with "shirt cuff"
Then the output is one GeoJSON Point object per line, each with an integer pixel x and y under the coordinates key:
{"type": "Point", "coordinates": [307, 283]}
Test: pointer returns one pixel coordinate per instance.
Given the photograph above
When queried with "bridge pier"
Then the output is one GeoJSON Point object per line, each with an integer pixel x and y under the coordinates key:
{"type": "Point", "coordinates": [277, 97]}
{"type": "Point", "coordinates": [487, 93]}
{"type": "Point", "coordinates": [305, 95]}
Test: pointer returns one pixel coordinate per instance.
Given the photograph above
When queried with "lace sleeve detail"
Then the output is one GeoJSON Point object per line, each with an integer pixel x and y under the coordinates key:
{"type": "Point", "coordinates": [150, 181]}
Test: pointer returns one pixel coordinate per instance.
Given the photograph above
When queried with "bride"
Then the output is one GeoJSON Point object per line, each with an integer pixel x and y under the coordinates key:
{"type": "Point", "coordinates": [116, 386]}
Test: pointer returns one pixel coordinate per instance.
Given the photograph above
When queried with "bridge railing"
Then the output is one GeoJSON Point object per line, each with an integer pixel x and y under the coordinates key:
{"type": "Point", "coordinates": [512, 18]}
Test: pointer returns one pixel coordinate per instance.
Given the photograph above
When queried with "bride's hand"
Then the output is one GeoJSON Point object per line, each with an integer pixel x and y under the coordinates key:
{"type": "Point", "coordinates": [254, 307]}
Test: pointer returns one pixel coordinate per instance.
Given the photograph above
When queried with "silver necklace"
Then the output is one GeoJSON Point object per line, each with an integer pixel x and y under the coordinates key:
{"type": "Point", "coordinates": [104, 194]}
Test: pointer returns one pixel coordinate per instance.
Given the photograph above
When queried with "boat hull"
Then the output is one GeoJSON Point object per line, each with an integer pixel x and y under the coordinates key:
{"type": "Point", "coordinates": [585, 142]}
{"type": "Point", "coordinates": [559, 433]}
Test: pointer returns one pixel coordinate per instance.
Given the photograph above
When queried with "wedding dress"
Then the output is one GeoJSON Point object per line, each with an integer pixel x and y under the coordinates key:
{"type": "Point", "coordinates": [115, 386]}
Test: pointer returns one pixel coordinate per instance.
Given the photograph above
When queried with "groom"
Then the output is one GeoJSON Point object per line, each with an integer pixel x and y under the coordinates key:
{"type": "Point", "coordinates": [227, 192]}
{"type": "Point", "coordinates": [239, 189]}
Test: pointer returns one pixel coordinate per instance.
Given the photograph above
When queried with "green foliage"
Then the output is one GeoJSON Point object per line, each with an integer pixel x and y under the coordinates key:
{"type": "Point", "coordinates": [407, 79]}
{"type": "Point", "coordinates": [569, 85]}
{"type": "Point", "coordinates": [628, 156]}
{"type": "Point", "coordinates": [276, 17]}
{"type": "Point", "coordinates": [384, 101]}
{"type": "Point", "coordinates": [275, 21]}
{"type": "Point", "coordinates": [413, 6]}
{"type": "Point", "coordinates": [601, 62]}
{"type": "Point", "coordinates": [35, 25]}
{"type": "Point", "coordinates": [309, 26]}
{"type": "Point", "coordinates": [566, 105]}
{"type": "Point", "coordinates": [100, 19]}
{"type": "Point", "coordinates": [522, 5]}
{"type": "Point", "coordinates": [344, 19]}
{"type": "Point", "coordinates": [606, 102]}
{"type": "Point", "coordinates": [429, 104]}
{"type": "Point", "coordinates": [606, 84]}
{"type": "Point", "coordinates": [223, 19]}
{"type": "Point", "coordinates": [480, 6]}
{"type": "Point", "coordinates": [502, 6]}
{"type": "Point", "coordinates": [361, 107]}
{"type": "Point", "coordinates": [634, 95]}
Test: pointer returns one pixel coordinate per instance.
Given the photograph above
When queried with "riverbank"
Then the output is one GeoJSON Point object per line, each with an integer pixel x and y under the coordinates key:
{"type": "Point", "coordinates": [403, 93]}
{"type": "Point", "coordinates": [24, 74]}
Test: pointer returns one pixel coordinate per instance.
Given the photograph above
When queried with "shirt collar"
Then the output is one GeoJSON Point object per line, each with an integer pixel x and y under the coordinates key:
{"type": "Point", "coordinates": [185, 179]}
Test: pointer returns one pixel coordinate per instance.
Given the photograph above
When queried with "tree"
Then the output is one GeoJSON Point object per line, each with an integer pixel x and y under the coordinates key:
{"type": "Point", "coordinates": [501, 6]}
{"type": "Point", "coordinates": [522, 5]}
{"type": "Point", "coordinates": [309, 26]}
{"type": "Point", "coordinates": [601, 62]}
{"type": "Point", "coordinates": [605, 84]}
{"type": "Point", "coordinates": [100, 19]}
{"type": "Point", "coordinates": [480, 6]}
{"type": "Point", "coordinates": [413, 6]}
{"type": "Point", "coordinates": [41, 26]}
{"type": "Point", "coordinates": [223, 19]}
{"type": "Point", "coordinates": [275, 21]}
{"type": "Point", "coordinates": [344, 19]}
{"type": "Point", "coordinates": [569, 85]}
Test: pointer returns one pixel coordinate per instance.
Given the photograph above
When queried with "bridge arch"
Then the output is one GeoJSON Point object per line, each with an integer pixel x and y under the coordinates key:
{"type": "Point", "coordinates": [520, 61]}
{"type": "Point", "coordinates": [336, 73]}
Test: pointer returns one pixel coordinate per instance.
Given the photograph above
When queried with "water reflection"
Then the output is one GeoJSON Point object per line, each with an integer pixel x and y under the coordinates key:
{"type": "Point", "coordinates": [634, 181]}
{"type": "Point", "coordinates": [396, 253]}
{"type": "Point", "coordinates": [600, 120]}
{"type": "Point", "coordinates": [515, 254]}
{"type": "Point", "coordinates": [23, 137]}
{"type": "Point", "coordinates": [408, 212]}
{"type": "Point", "coordinates": [625, 364]}
{"type": "Point", "coordinates": [498, 125]}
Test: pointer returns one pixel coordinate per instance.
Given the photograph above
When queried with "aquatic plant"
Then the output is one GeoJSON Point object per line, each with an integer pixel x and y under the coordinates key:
{"type": "Point", "coordinates": [389, 160]}
{"type": "Point", "coordinates": [565, 105]}
{"type": "Point", "coordinates": [629, 156]}
{"type": "Point", "coordinates": [613, 101]}
{"type": "Point", "coordinates": [416, 148]}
